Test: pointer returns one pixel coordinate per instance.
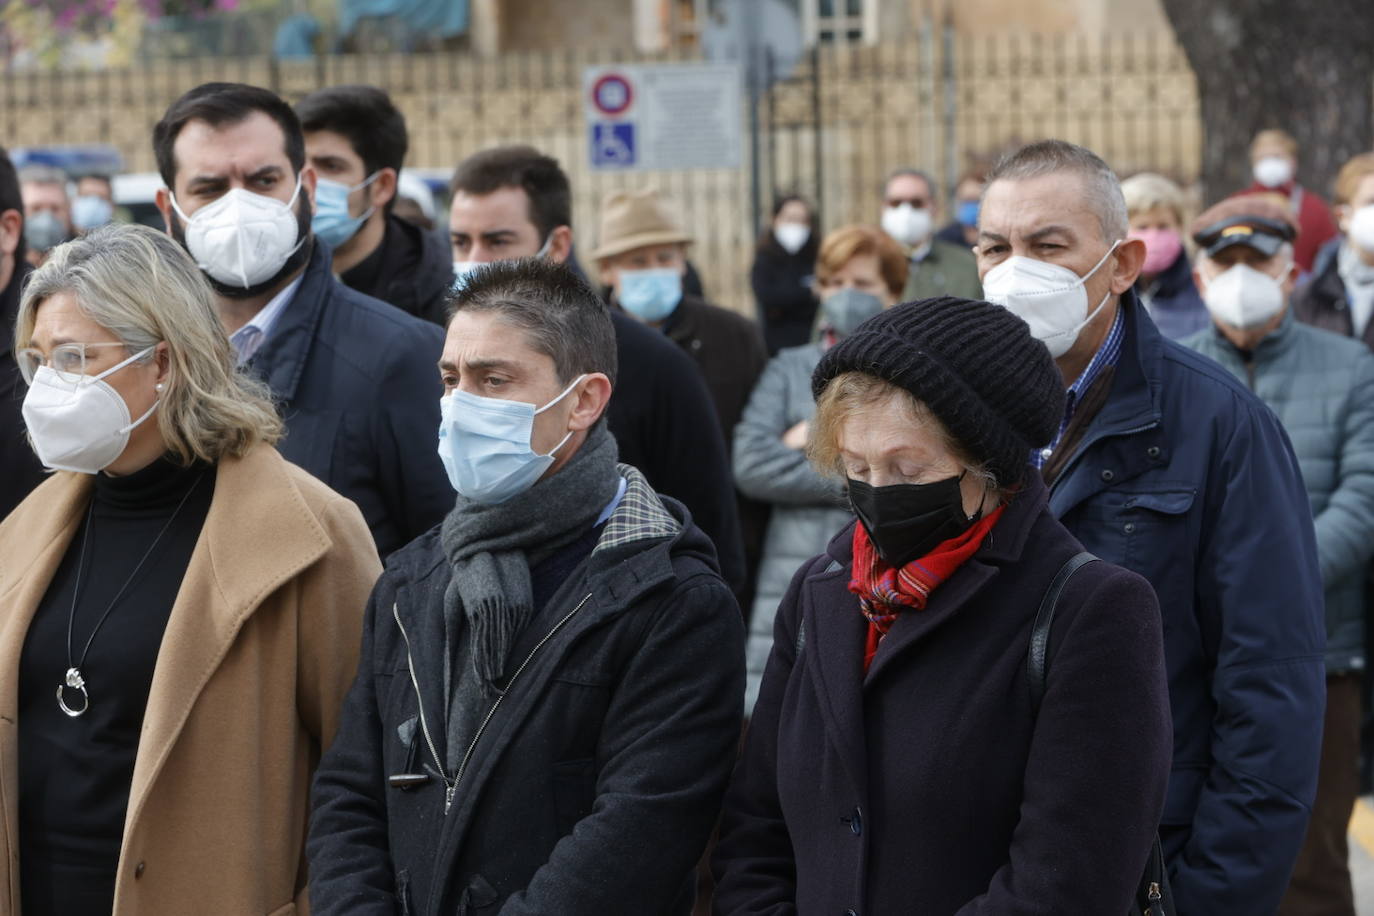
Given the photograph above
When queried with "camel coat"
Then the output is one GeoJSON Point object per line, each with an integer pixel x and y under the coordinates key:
{"type": "Point", "coordinates": [260, 648]}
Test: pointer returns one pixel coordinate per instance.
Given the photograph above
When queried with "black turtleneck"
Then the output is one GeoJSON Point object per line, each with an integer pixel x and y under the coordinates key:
{"type": "Point", "coordinates": [75, 773]}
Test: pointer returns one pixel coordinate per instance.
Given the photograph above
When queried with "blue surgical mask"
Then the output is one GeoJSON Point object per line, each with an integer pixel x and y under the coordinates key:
{"type": "Point", "coordinates": [91, 212]}
{"type": "Point", "coordinates": [967, 213]}
{"type": "Point", "coordinates": [484, 444]}
{"type": "Point", "coordinates": [331, 222]}
{"type": "Point", "coordinates": [650, 295]}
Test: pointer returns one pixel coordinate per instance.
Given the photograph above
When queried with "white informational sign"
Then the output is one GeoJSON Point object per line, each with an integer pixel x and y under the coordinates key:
{"type": "Point", "coordinates": [663, 116]}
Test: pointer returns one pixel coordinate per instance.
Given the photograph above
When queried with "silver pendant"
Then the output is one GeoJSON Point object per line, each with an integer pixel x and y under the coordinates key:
{"type": "Point", "coordinates": [74, 681]}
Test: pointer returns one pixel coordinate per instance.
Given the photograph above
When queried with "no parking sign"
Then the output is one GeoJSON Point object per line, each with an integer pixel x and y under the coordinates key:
{"type": "Point", "coordinates": [663, 116]}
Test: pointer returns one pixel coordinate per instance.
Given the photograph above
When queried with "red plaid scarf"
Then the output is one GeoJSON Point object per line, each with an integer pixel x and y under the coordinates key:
{"type": "Point", "coordinates": [884, 592]}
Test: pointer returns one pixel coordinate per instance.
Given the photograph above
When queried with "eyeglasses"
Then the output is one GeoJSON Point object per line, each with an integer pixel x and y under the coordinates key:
{"type": "Point", "coordinates": [67, 360]}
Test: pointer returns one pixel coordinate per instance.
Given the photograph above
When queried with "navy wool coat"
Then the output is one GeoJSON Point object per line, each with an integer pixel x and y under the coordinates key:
{"type": "Point", "coordinates": [929, 785]}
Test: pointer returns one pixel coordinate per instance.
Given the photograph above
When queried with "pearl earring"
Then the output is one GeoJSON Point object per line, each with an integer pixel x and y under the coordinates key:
{"type": "Point", "coordinates": [158, 387]}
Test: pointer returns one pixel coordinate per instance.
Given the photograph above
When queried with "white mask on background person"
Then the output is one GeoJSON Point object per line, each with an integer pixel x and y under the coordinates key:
{"type": "Point", "coordinates": [792, 236]}
{"type": "Point", "coordinates": [485, 446]}
{"type": "Point", "coordinates": [242, 238]}
{"type": "Point", "coordinates": [1243, 297]}
{"type": "Point", "coordinates": [907, 224]}
{"type": "Point", "coordinates": [1273, 171]}
{"type": "Point", "coordinates": [80, 426]}
{"type": "Point", "coordinates": [1361, 232]}
{"type": "Point", "coordinates": [1049, 298]}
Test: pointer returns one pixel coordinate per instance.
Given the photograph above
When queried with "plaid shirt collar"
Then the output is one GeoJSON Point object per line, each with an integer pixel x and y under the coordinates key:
{"type": "Point", "coordinates": [1106, 355]}
{"type": "Point", "coordinates": [638, 516]}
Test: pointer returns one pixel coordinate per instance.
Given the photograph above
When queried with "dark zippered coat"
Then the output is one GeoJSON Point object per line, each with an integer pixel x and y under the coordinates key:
{"type": "Point", "coordinates": [593, 784]}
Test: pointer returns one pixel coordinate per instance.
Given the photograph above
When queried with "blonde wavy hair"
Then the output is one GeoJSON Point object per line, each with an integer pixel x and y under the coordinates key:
{"type": "Point", "coordinates": [144, 288]}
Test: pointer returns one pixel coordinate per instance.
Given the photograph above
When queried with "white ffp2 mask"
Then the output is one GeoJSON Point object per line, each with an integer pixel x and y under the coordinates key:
{"type": "Point", "coordinates": [907, 224]}
{"type": "Point", "coordinates": [1362, 228]}
{"type": "Point", "coordinates": [1273, 171]}
{"type": "Point", "coordinates": [1049, 298]}
{"type": "Point", "coordinates": [1243, 297]}
{"type": "Point", "coordinates": [243, 238]}
{"type": "Point", "coordinates": [80, 426]}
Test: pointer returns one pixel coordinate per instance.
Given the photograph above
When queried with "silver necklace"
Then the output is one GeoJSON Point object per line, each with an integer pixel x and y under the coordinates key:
{"type": "Point", "coordinates": [74, 679]}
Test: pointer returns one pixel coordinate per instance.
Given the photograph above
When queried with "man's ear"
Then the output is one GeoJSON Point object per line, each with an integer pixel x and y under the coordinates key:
{"type": "Point", "coordinates": [308, 179]}
{"type": "Point", "coordinates": [560, 244]}
{"type": "Point", "coordinates": [163, 200]}
{"type": "Point", "coordinates": [384, 188]}
{"type": "Point", "coordinates": [593, 394]}
{"type": "Point", "coordinates": [1289, 281]}
{"type": "Point", "coordinates": [11, 231]}
{"type": "Point", "coordinates": [1130, 258]}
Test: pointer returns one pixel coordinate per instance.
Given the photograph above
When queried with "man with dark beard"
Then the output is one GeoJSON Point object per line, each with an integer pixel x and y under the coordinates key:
{"type": "Point", "coordinates": [353, 376]}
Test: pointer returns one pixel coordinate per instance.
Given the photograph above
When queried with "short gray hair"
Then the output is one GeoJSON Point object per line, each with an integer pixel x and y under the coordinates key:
{"type": "Point", "coordinates": [42, 174]}
{"type": "Point", "coordinates": [908, 172]}
{"type": "Point", "coordinates": [1049, 157]}
{"type": "Point", "coordinates": [141, 286]}
{"type": "Point", "coordinates": [560, 315]}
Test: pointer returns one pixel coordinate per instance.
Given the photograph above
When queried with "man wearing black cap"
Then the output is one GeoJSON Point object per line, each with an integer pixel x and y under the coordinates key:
{"type": "Point", "coordinates": [1164, 463]}
{"type": "Point", "coordinates": [1321, 386]}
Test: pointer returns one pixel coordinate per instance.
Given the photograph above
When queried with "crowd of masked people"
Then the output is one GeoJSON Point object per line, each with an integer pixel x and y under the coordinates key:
{"type": "Point", "coordinates": [1011, 566]}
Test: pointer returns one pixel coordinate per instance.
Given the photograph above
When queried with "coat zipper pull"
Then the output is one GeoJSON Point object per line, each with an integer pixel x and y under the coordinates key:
{"type": "Point", "coordinates": [448, 796]}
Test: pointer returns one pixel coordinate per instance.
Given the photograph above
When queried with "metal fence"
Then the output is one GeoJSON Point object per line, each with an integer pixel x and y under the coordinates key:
{"type": "Point", "coordinates": [830, 125]}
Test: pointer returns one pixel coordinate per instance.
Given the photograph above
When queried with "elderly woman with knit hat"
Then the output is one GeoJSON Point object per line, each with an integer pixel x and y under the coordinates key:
{"type": "Point", "coordinates": [902, 756]}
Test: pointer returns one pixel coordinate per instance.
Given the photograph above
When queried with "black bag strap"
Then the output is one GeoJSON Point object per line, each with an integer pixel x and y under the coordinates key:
{"type": "Point", "coordinates": [1153, 896]}
{"type": "Point", "coordinates": [1036, 666]}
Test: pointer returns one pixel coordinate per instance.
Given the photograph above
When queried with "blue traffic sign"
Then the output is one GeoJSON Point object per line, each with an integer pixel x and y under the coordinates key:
{"type": "Point", "coordinates": [613, 145]}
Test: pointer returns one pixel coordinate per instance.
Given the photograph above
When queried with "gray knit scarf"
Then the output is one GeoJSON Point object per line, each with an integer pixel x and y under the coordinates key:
{"type": "Point", "coordinates": [492, 547]}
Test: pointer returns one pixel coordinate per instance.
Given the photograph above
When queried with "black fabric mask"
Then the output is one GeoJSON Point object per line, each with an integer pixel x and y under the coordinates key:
{"type": "Point", "coordinates": [906, 521]}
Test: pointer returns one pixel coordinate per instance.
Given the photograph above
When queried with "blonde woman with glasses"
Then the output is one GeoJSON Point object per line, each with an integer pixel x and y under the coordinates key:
{"type": "Point", "coordinates": [180, 608]}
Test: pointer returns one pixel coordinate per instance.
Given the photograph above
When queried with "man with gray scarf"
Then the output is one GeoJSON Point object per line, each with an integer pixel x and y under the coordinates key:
{"type": "Point", "coordinates": [549, 692]}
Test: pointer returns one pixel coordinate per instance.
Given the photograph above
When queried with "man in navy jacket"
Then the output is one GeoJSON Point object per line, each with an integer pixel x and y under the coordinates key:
{"type": "Point", "coordinates": [353, 376]}
{"type": "Point", "coordinates": [1167, 465]}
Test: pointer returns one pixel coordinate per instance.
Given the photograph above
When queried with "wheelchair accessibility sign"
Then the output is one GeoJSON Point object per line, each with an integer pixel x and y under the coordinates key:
{"type": "Point", "coordinates": [663, 116]}
{"type": "Point", "coordinates": [613, 145]}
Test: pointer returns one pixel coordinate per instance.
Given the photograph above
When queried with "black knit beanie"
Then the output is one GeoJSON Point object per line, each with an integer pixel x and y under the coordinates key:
{"type": "Point", "coordinates": [974, 364]}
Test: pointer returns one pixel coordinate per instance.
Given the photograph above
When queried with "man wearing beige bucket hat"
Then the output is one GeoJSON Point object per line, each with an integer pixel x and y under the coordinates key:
{"type": "Point", "coordinates": [642, 257]}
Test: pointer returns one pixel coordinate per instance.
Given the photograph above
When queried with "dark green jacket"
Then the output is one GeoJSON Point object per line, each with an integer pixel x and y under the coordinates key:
{"type": "Point", "coordinates": [946, 270]}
